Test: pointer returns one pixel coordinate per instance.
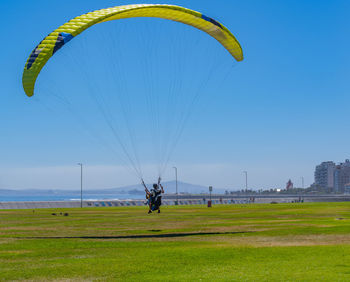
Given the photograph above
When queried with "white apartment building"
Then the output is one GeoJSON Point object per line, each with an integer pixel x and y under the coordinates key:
{"type": "Point", "coordinates": [341, 176]}
{"type": "Point", "coordinates": [333, 177]}
{"type": "Point", "coordinates": [324, 175]}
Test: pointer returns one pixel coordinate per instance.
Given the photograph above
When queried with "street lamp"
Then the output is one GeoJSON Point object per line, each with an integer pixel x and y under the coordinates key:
{"type": "Point", "coordinates": [246, 181]}
{"type": "Point", "coordinates": [302, 182]}
{"type": "Point", "coordinates": [81, 184]}
{"type": "Point", "coordinates": [177, 195]}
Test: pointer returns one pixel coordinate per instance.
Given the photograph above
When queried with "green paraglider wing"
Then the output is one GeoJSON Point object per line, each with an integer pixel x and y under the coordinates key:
{"type": "Point", "coordinates": [56, 39]}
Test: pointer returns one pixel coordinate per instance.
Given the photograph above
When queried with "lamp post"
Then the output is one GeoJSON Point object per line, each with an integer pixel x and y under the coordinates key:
{"type": "Point", "coordinates": [302, 182]}
{"type": "Point", "coordinates": [210, 190]}
{"type": "Point", "coordinates": [246, 181]}
{"type": "Point", "coordinates": [177, 195]}
{"type": "Point", "coordinates": [81, 184]}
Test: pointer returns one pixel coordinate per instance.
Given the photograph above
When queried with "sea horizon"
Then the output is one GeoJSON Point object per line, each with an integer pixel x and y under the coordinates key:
{"type": "Point", "coordinates": [63, 197]}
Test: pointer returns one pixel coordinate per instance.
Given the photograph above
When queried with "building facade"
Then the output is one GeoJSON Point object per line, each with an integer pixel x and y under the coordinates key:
{"type": "Point", "coordinates": [289, 185]}
{"type": "Point", "coordinates": [341, 176]}
{"type": "Point", "coordinates": [347, 188]}
{"type": "Point", "coordinates": [324, 175]}
{"type": "Point", "coordinates": [332, 177]}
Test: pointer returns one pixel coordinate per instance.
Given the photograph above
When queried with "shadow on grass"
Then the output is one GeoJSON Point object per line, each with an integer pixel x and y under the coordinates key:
{"type": "Point", "coordinates": [168, 235]}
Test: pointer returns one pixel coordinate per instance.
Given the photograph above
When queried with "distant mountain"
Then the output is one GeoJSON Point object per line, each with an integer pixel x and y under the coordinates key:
{"type": "Point", "coordinates": [169, 187]}
{"type": "Point", "coordinates": [138, 189]}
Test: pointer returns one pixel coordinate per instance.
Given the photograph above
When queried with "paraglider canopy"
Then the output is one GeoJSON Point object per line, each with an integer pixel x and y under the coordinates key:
{"type": "Point", "coordinates": [62, 35]}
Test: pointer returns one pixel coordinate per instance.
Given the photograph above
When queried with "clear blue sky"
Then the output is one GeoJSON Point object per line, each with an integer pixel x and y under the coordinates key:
{"type": "Point", "coordinates": [289, 110]}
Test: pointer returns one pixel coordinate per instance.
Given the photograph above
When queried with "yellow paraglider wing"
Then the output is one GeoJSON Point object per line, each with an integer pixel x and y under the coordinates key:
{"type": "Point", "coordinates": [56, 39]}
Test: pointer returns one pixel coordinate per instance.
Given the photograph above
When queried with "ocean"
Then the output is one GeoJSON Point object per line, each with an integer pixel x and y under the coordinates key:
{"type": "Point", "coordinates": [62, 196]}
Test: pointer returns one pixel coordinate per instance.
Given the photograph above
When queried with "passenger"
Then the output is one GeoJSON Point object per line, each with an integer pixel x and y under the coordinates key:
{"type": "Point", "coordinates": [159, 190]}
{"type": "Point", "coordinates": [154, 197]}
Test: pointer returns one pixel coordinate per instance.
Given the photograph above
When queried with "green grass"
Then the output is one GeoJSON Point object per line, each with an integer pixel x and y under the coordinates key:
{"type": "Point", "coordinates": [288, 242]}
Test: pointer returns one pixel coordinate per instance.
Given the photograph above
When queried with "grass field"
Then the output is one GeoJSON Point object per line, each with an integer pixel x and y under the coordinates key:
{"type": "Point", "coordinates": [267, 242]}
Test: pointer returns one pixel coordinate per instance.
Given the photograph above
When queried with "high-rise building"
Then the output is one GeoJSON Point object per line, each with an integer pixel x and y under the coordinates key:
{"type": "Point", "coordinates": [341, 176]}
{"type": "Point", "coordinates": [332, 177]}
{"type": "Point", "coordinates": [324, 175]}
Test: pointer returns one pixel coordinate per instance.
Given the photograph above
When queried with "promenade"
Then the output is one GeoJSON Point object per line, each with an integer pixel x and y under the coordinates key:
{"type": "Point", "coordinates": [170, 200]}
